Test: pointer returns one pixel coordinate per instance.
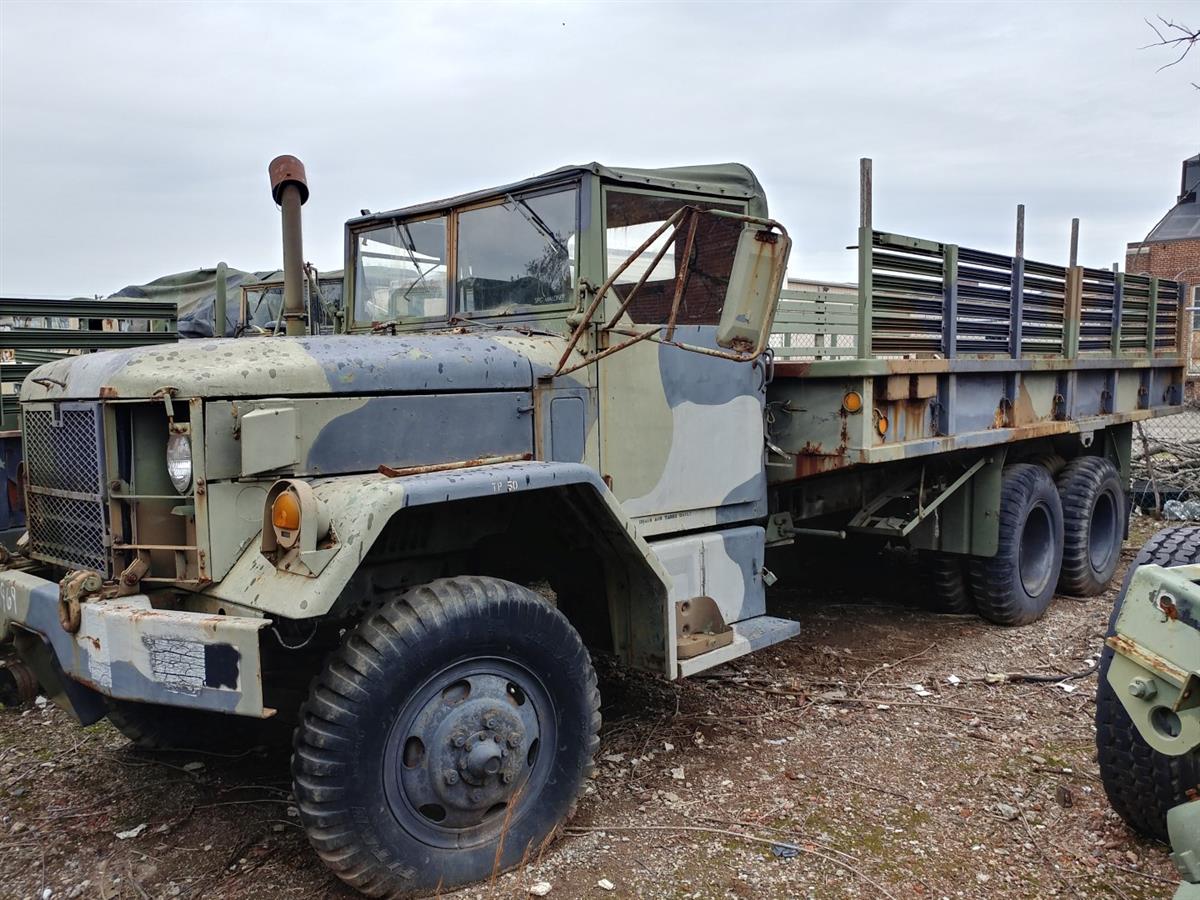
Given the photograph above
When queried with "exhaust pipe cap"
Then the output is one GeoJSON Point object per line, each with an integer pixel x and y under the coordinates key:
{"type": "Point", "coordinates": [285, 170]}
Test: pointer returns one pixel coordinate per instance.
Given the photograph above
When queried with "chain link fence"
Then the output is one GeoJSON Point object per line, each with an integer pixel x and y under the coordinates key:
{"type": "Point", "coordinates": [1166, 461]}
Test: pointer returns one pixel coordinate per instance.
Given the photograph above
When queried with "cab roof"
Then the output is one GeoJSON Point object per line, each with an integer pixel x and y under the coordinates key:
{"type": "Point", "coordinates": [732, 180]}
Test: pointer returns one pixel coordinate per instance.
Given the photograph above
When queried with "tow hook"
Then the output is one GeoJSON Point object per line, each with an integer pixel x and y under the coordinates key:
{"type": "Point", "coordinates": [71, 591]}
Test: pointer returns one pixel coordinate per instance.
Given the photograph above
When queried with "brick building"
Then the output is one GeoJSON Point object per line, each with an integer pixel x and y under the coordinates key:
{"type": "Point", "coordinates": [1172, 248]}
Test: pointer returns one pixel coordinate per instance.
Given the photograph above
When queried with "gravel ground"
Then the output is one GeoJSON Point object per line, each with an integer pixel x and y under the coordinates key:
{"type": "Point", "coordinates": [870, 757]}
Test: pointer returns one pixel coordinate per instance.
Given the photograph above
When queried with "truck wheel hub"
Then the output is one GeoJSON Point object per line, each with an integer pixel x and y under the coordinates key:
{"type": "Point", "coordinates": [465, 745]}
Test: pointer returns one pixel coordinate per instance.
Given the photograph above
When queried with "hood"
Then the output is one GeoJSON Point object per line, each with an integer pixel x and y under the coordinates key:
{"type": "Point", "coordinates": [281, 366]}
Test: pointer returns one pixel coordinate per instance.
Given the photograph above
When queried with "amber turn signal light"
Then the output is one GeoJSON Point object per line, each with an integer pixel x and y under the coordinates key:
{"type": "Point", "coordinates": [285, 512]}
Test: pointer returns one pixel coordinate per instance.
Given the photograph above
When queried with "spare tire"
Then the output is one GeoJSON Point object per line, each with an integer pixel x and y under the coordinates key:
{"type": "Point", "coordinates": [1141, 783]}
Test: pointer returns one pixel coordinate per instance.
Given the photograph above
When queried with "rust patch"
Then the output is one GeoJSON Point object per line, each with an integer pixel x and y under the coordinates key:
{"type": "Point", "coordinates": [1023, 411]}
{"type": "Point", "coordinates": [450, 466]}
{"type": "Point", "coordinates": [108, 392]}
{"type": "Point", "coordinates": [1147, 660]}
{"type": "Point", "coordinates": [792, 368]}
{"type": "Point", "coordinates": [915, 414]}
{"type": "Point", "coordinates": [1000, 416]}
{"type": "Point", "coordinates": [815, 464]}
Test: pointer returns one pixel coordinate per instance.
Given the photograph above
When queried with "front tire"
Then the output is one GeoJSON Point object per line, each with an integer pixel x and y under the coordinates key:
{"type": "Point", "coordinates": [1094, 513]}
{"type": "Point", "coordinates": [1015, 586]}
{"type": "Point", "coordinates": [447, 739]}
{"type": "Point", "coordinates": [1141, 783]}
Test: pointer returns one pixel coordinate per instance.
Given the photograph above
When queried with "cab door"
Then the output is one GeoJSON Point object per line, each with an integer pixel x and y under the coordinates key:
{"type": "Point", "coordinates": [681, 432]}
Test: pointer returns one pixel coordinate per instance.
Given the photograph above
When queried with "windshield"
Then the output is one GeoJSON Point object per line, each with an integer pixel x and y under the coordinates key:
{"type": "Point", "coordinates": [401, 272]}
{"type": "Point", "coordinates": [516, 254]}
{"type": "Point", "coordinates": [263, 302]}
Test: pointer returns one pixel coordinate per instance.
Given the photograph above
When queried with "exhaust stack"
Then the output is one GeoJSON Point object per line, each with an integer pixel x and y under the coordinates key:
{"type": "Point", "coordinates": [289, 187]}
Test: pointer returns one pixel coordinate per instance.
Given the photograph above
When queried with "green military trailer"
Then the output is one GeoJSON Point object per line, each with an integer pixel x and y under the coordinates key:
{"type": "Point", "coordinates": [566, 414]}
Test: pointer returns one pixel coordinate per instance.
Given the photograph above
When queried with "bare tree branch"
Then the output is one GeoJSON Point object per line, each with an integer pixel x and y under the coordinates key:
{"type": "Point", "coordinates": [1174, 35]}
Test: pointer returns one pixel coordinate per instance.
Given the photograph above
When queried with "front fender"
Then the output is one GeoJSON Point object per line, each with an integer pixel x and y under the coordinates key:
{"type": "Point", "coordinates": [361, 506]}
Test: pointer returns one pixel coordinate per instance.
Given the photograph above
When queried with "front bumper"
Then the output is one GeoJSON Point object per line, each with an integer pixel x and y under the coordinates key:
{"type": "Point", "coordinates": [127, 650]}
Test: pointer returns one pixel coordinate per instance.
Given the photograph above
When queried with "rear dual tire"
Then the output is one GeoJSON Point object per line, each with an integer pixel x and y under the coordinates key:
{"type": "Point", "coordinates": [1063, 532]}
{"type": "Point", "coordinates": [948, 583]}
{"type": "Point", "coordinates": [1094, 517]}
{"type": "Point", "coordinates": [1015, 586]}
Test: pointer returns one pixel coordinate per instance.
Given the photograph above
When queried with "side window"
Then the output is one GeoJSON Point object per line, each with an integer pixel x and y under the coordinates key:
{"type": "Point", "coordinates": [517, 254]}
{"type": "Point", "coordinates": [630, 219]}
{"type": "Point", "coordinates": [401, 272]}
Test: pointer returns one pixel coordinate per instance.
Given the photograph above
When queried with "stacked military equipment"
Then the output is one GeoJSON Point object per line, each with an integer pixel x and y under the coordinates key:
{"type": "Point", "coordinates": [37, 331]}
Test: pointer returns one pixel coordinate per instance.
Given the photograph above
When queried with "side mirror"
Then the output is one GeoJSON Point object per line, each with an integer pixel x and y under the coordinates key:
{"type": "Point", "coordinates": [759, 267]}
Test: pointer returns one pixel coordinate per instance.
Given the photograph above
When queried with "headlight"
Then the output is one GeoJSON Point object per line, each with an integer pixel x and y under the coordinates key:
{"type": "Point", "coordinates": [179, 461]}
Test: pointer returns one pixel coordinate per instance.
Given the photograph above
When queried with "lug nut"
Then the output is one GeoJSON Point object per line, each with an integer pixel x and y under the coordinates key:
{"type": "Point", "coordinates": [492, 724]}
{"type": "Point", "coordinates": [514, 740]}
{"type": "Point", "coordinates": [506, 777]}
{"type": "Point", "coordinates": [451, 776]}
{"type": "Point", "coordinates": [1142, 688]}
{"type": "Point", "coordinates": [458, 740]}
{"type": "Point", "coordinates": [496, 738]}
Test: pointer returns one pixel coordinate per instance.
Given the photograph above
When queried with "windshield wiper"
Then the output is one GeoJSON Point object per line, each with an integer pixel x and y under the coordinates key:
{"type": "Point", "coordinates": [536, 221]}
{"type": "Point", "coordinates": [410, 249]}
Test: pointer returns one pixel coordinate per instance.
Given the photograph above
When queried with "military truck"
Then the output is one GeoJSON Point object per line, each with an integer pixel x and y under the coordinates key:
{"type": "Point", "coordinates": [1147, 709]}
{"type": "Point", "coordinates": [568, 415]}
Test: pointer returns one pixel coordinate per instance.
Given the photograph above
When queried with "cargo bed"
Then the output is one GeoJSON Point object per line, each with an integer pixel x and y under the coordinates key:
{"type": "Point", "coordinates": [946, 348]}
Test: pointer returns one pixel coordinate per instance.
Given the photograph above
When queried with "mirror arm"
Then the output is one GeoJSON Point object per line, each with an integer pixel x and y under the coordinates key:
{"type": "Point", "coordinates": [734, 355]}
{"type": "Point", "coordinates": [682, 276]}
{"type": "Point", "coordinates": [604, 288]}
{"type": "Point", "coordinates": [642, 280]}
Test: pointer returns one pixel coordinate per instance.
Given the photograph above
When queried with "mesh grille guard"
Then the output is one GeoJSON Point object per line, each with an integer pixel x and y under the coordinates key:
{"type": "Point", "coordinates": [65, 498]}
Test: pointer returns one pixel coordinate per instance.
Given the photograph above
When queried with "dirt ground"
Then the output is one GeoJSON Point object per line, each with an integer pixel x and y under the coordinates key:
{"type": "Point", "coordinates": [867, 758]}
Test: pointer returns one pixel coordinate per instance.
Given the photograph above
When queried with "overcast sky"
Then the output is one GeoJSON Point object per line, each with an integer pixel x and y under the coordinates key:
{"type": "Point", "coordinates": [134, 137]}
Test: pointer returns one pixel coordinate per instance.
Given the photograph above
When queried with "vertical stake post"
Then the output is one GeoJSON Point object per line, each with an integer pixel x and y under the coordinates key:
{"type": "Point", "coordinates": [1017, 287]}
{"type": "Point", "coordinates": [866, 239]}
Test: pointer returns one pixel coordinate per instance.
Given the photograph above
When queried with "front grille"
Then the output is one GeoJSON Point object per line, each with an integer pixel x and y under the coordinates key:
{"type": "Point", "coordinates": [65, 503]}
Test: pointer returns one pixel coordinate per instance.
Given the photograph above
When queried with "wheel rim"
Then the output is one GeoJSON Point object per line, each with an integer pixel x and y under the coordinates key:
{"type": "Point", "coordinates": [1101, 532]}
{"type": "Point", "coordinates": [464, 755]}
{"type": "Point", "coordinates": [1036, 561]}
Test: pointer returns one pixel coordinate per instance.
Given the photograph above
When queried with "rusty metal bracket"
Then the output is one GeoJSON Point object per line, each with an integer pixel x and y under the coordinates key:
{"type": "Point", "coordinates": [130, 580]}
{"type": "Point", "coordinates": [72, 591]}
{"type": "Point", "coordinates": [700, 627]}
{"type": "Point", "coordinates": [451, 466]}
